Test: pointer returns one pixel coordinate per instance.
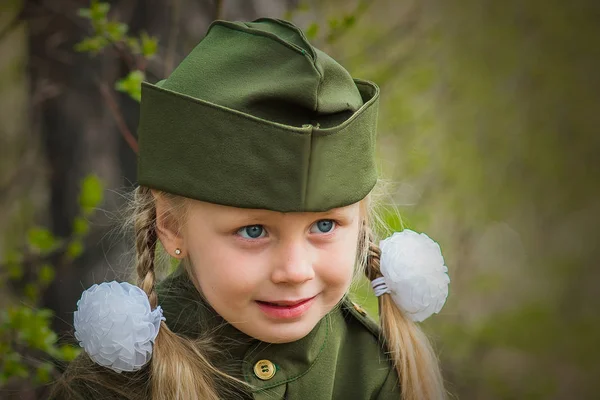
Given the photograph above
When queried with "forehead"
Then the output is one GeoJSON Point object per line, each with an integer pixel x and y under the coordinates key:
{"type": "Point", "coordinates": [227, 212]}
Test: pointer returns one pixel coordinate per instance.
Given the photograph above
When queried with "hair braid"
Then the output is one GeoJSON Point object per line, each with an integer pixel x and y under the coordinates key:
{"type": "Point", "coordinates": [145, 243]}
{"type": "Point", "coordinates": [373, 270]}
{"type": "Point", "coordinates": [180, 369]}
{"type": "Point", "coordinates": [410, 351]}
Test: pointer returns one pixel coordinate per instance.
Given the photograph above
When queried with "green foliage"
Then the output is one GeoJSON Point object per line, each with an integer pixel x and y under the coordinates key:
{"type": "Point", "coordinates": [131, 84]}
{"type": "Point", "coordinates": [22, 327]}
{"type": "Point", "coordinates": [43, 373]}
{"type": "Point", "coordinates": [80, 226]}
{"type": "Point", "coordinates": [75, 249]}
{"type": "Point", "coordinates": [108, 33]}
{"type": "Point", "coordinates": [93, 45]}
{"type": "Point", "coordinates": [90, 195]}
{"type": "Point", "coordinates": [12, 366]}
{"type": "Point", "coordinates": [46, 275]}
{"type": "Point", "coordinates": [311, 31]}
{"type": "Point", "coordinates": [41, 240]}
{"type": "Point", "coordinates": [336, 26]}
{"type": "Point", "coordinates": [26, 338]}
{"type": "Point", "coordinates": [149, 45]}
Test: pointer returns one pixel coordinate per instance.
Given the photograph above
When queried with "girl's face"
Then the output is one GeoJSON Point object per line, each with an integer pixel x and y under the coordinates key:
{"type": "Point", "coordinates": [271, 275]}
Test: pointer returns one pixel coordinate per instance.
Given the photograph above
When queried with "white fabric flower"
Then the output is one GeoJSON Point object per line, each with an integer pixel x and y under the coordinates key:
{"type": "Point", "coordinates": [413, 270]}
{"type": "Point", "coordinates": [115, 326]}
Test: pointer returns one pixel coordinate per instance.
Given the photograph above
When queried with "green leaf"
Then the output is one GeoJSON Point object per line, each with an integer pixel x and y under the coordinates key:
{"type": "Point", "coordinates": [4, 348]}
{"type": "Point", "coordinates": [45, 314]}
{"type": "Point", "coordinates": [13, 260]}
{"type": "Point", "coordinates": [41, 239]}
{"type": "Point", "coordinates": [91, 193]}
{"type": "Point", "coordinates": [31, 291]}
{"type": "Point", "coordinates": [92, 45]}
{"type": "Point", "coordinates": [334, 23]}
{"type": "Point", "coordinates": [131, 84]}
{"type": "Point", "coordinates": [115, 31]}
{"type": "Point", "coordinates": [68, 353]}
{"type": "Point", "coordinates": [99, 10]}
{"type": "Point", "coordinates": [12, 317]}
{"type": "Point", "coordinates": [13, 257]}
{"type": "Point", "coordinates": [43, 373]}
{"type": "Point", "coordinates": [33, 328]}
{"type": "Point", "coordinates": [84, 13]}
{"type": "Point", "coordinates": [149, 45]}
{"type": "Point", "coordinates": [46, 274]}
{"type": "Point", "coordinates": [44, 339]}
{"type": "Point", "coordinates": [312, 31]}
{"type": "Point", "coordinates": [134, 45]}
{"type": "Point", "coordinates": [75, 249]}
{"type": "Point", "coordinates": [15, 271]}
{"type": "Point", "coordinates": [13, 367]}
{"type": "Point", "coordinates": [80, 226]}
{"type": "Point", "coordinates": [349, 20]}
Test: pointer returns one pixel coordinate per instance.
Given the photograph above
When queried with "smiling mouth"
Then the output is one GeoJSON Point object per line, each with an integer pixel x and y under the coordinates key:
{"type": "Point", "coordinates": [286, 310]}
{"type": "Point", "coordinates": [286, 303]}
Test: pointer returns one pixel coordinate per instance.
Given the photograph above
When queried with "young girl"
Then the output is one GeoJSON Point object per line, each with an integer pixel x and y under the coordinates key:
{"type": "Point", "coordinates": [256, 167]}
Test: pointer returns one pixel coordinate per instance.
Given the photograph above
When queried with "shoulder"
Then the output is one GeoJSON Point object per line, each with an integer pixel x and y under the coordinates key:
{"type": "Point", "coordinates": [183, 308]}
{"type": "Point", "coordinates": [85, 380]}
{"type": "Point", "coordinates": [362, 356]}
{"type": "Point", "coordinates": [355, 314]}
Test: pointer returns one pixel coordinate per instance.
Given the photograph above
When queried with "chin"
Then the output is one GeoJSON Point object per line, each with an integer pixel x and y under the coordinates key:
{"type": "Point", "coordinates": [284, 334]}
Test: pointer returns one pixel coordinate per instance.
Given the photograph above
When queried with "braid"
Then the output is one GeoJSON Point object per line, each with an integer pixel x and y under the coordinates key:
{"type": "Point", "coordinates": [145, 242]}
{"type": "Point", "coordinates": [408, 347]}
{"type": "Point", "coordinates": [180, 367]}
{"type": "Point", "coordinates": [373, 270]}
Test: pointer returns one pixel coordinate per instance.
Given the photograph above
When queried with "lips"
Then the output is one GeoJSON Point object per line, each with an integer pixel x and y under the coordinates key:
{"type": "Point", "coordinates": [289, 310]}
{"type": "Point", "coordinates": [286, 303]}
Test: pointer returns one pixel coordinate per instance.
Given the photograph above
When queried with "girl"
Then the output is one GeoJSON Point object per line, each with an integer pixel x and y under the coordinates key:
{"type": "Point", "coordinates": [256, 166]}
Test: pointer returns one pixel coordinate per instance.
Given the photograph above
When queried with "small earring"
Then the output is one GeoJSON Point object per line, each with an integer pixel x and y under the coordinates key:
{"type": "Point", "coordinates": [178, 252]}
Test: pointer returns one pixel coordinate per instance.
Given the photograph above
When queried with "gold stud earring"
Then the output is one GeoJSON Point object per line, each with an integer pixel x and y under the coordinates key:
{"type": "Point", "coordinates": [178, 252]}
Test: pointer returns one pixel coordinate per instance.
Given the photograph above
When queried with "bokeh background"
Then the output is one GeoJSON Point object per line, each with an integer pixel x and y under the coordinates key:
{"type": "Point", "coordinates": [488, 132]}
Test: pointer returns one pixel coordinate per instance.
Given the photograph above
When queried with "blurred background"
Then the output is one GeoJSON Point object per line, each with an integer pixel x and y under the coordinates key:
{"type": "Point", "coordinates": [488, 130]}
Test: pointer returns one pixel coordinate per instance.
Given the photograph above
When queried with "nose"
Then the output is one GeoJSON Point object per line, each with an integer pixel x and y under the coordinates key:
{"type": "Point", "coordinates": [293, 263]}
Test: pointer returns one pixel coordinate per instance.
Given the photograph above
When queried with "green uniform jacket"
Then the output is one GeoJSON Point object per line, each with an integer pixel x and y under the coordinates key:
{"type": "Point", "coordinates": [342, 358]}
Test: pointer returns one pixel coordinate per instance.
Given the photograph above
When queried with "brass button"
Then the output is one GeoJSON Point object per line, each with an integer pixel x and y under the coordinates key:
{"type": "Point", "coordinates": [264, 369]}
{"type": "Point", "coordinates": [360, 310]}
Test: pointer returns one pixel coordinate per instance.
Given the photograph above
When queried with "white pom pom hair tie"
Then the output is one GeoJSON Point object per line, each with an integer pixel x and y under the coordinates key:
{"type": "Point", "coordinates": [116, 326]}
{"type": "Point", "coordinates": [414, 274]}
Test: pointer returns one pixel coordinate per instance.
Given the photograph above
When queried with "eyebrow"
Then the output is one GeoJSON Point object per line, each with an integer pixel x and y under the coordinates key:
{"type": "Point", "coordinates": [339, 212]}
{"type": "Point", "coordinates": [266, 215]}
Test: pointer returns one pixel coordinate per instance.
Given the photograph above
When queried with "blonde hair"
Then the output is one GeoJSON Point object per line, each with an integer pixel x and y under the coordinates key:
{"type": "Point", "coordinates": [408, 347]}
{"type": "Point", "coordinates": [181, 367]}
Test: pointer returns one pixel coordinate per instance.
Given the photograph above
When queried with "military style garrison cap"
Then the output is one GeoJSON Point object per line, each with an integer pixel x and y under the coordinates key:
{"type": "Point", "coordinates": [256, 117]}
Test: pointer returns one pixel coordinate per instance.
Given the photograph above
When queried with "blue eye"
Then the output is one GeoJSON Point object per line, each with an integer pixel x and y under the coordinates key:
{"type": "Point", "coordinates": [324, 226]}
{"type": "Point", "coordinates": [252, 231]}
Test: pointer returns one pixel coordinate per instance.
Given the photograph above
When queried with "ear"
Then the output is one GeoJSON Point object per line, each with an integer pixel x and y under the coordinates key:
{"type": "Point", "coordinates": [167, 227]}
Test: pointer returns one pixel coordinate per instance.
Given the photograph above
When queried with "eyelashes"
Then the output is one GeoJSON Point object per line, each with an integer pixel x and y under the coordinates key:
{"type": "Point", "coordinates": [329, 224]}
{"type": "Point", "coordinates": [255, 232]}
{"type": "Point", "coordinates": [254, 229]}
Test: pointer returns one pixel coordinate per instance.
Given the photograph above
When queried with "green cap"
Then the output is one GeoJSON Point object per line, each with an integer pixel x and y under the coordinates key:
{"type": "Point", "coordinates": [255, 117]}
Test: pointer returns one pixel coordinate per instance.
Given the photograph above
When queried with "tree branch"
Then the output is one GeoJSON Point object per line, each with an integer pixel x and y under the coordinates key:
{"type": "Point", "coordinates": [114, 108]}
{"type": "Point", "coordinates": [173, 34]}
{"type": "Point", "coordinates": [219, 9]}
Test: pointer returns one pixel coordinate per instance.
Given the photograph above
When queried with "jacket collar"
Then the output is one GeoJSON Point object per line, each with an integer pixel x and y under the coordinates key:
{"type": "Point", "coordinates": [188, 313]}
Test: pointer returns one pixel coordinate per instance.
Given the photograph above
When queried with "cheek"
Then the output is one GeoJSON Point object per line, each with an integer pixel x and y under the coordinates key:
{"type": "Point", "coordinates": [336, 269]}
{"type": "Point", "coordinates": [222, 272]}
